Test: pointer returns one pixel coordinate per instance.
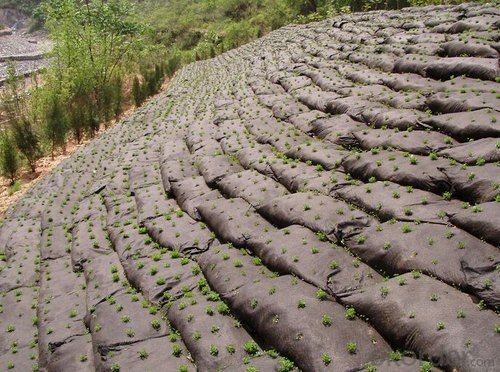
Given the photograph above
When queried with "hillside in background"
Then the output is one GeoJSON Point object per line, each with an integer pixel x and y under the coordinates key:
{"type": "Point", "coordinates": [200, 29]}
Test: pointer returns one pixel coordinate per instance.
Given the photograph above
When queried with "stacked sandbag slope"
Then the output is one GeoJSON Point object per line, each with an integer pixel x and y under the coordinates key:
{"type": "Point", "coordinates": [324, 198]}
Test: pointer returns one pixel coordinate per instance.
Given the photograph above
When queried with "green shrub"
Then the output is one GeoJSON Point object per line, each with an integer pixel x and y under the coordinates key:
{"type": "Point", "coordinates": [9, 159]}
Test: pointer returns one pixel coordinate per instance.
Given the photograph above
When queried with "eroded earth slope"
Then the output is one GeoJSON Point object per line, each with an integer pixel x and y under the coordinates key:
{"type": "Point", "coordinates": [326, 197]}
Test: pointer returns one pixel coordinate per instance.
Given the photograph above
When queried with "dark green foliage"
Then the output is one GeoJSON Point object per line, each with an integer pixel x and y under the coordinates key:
{"type": "Point", "coordinates": [26, 141]}
{"type": "Point", "coordinates": [117, 90]}
{"type": "Point", "coordinates": [9, 161]}
{"type": "Point", "coordinates": [137, 92]}
{"type": "Point", "coordinates": [55, 127]}
{"type": "Point", "coordinates": [22, 129]}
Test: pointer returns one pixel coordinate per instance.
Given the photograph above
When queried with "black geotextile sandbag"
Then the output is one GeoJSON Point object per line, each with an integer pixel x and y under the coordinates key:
{"type": "Point", "coordinates": [479, 183]}
{"type": "Point", "coordinates": [481, 68]}
{"type": "Point", "coordinates": [412, 82]}
{"type": "Point", "coordinates": [383, 94]}
{"type": "Point", "coordinates": [18, 328]}
{"type": "Point", "coordinates": [62, 293]}
{"type": "Point", "coordinates": [430, 49]}
{"type": "Point", "coordinates": [304, 121]}
{"type": "Point", "coordinates": [268, 100]}
{"type": "Point", "coordinates": [119, 208]}
{"type": "Point", "coordinates": [9, 227]}
{"type": "Point", "coordinates": [132, 323]}
{"type": "Point", "coordinates": [389, 200]}
{"type": "Point", "coordinates": [416, 141]}
{"type": "Point", "coordinates": [234, 143]}
{"type": "Point", "coordinates": [230, 128]}
{"type": "Point", "coordinates": [316, 100]}
{"type": "Point", "coordinates": [329, 79]}
{"type": "Point", "coordinates": [128, 239]}
{"type": "Point", "coordinates": [310, 149]}
{"type": "Point", "coordinates": [477, 23]}
{"type": "Point", "coordinates": [145, 355]}
{"type": "Point", "coordinates": [208, 148]}
{"type": "Point", "coordinates": [144, 174]}
{"type": "Point", "coordinates": [176, 170]}
{"type": "Point", "coordinates": [352, 106]}
{"type": "Point", "coordinates": [284, 108]}
{"type": "Point", "coordinates": [101, 282]}
{"type": "Point", "coordinates": [18, 235]}
{"type": "Point", "coordinates": [398, 362]}
{"type": "Point", "coordinates": [254, 111]}
{"type": "Point", "coordinates": [366, 76]}
{"type": "Point", "coordinates": [298, 251]}
{"type": "Point", "coordinates": [20, 270]}
{"type": "Point", "coordinates": [481, 220]}
{"type": "Point", "coordinates": [264, 129]}
{"type": "Point", "coordinates": [286, 313]}
{"type": "Point", "coordinates": [227, 268]}
{"type": "Point", "coordinates": [412, 170]}
{"type": "Point", "coordinates": [463, 84]}
{"type": "Point", "coordinates": [191, 192]}
{"type": "Point", "coordinates": [223, 114]}
{"type": "Point", "coordinates": [214, 338]}
{"type": "Point", "coordinates": [215, 168]}
{"type": "Point", "coordinates": [157, 273]}
{"type": "Point", "coordinates": [292, 83]}
{"type": "Point", "coordinates": [75, 354]}
{"type": "Point", "coordinates": [471, 48]}
{"type": "Point", "coordinates": [483, 150]}
{"type": "Point", "coordinates": [251, 186]}
{"type": "Point", "coordinates": [383, 62]}
{"type": "Point", "coordinates": [160, 277]}
{"type": "Point", "coordinates": [337, 129]}
{"type": "Point", "coordinates": [234, 220]}
{"type": "Point", "coordinates": [140, 155]}
{"type": "Point", "coordinates": [413, 63]}
{"type": "Point", "coordinates": [55, 242]}
{"type": "Point", "coordinates": [89, 238]}
{"type": "Point", "coordinates": [262, 86]}
{"type": "Point", "coordinates": [444, 252]}
{"type": "Point", "coordinates": [89, 208]}
{"type": "Point", "coordinates": [177, 230]}
{"type": "Point", "coordinates": [299, 176]}
{"type": "Point", "coordinates": [465, 125]}
{"type": "Point", "coordinates": [257, 157]}
{"type": "Point", "coordinates": [467, 100]}
{"type": "Point", "coordinates": [198, 134]}
{"type": "Point", "coordinates": [152, 201]}
{"type": "Point", "coordinates": [401, 119]}
{"type": "Point", "coordinates": [432, 319]}
{"type": "Point", "coordinates": [173, 149]}
{"type": "Point", "coordinates": [58, 210]}
{"type": "Point", "coordinates": [333, 218]}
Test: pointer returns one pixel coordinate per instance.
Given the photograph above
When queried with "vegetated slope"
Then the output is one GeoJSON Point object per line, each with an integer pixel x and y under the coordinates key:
{"type": "Point", "coordinates": [258, 204]}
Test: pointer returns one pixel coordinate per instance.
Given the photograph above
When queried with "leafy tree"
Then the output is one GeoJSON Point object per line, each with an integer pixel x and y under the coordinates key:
{"type": "Point", "coordinates": [137, 92]}
{"type": "Point", "coordinates": [117, 88]}
{"type": "Point", "coordinates": [26, 141]}
{"type": "Point", "coordinates": [15, 108]}
{"type": "Point", "coordinates": [55, 123]}
{"type": "Point", "coordinates": [95, 43]}
{"type": "Point", "coordinates": [9, 161]}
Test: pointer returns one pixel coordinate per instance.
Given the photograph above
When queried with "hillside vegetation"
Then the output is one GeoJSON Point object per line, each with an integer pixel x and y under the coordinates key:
{"type": "Point", "coordinates": [200, 29]}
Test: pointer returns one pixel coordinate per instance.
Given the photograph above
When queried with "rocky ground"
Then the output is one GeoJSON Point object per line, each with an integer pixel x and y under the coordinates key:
{"type": "Point", "coordinates": [325, 198]}
{"type": "Point", "coordinates": [25, 50]}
